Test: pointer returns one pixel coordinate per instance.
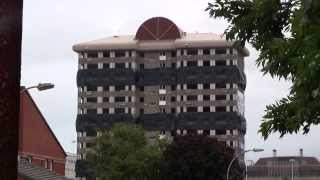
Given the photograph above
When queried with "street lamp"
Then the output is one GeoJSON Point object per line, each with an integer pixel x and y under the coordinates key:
{"type": "Point", "coordinates": [40, 87]}
{"type": "Point", "coordinates": [292, 162]}
{"type": "Point", "coordinates": [239, 154]}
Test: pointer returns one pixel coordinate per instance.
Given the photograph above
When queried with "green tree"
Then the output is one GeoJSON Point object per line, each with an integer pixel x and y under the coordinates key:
{"type": "Point", "coordinates": [124, 154]}
{"type": "Point", "coordinates": [286, 33]}
{"type": "Point", "coordinates": [198, 158]}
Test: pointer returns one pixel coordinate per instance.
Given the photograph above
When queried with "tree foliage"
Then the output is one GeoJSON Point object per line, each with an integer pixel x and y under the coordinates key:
{"type": "Point", "coordinates": [198, 158]}
{"type": "Point", "coordinates": [286, 33]}
{"type": "Point", "coordinates": [123, 154]}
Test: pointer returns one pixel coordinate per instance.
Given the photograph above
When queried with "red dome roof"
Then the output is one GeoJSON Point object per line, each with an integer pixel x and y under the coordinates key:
{"type": "Point", "coordinates": [158, 28]}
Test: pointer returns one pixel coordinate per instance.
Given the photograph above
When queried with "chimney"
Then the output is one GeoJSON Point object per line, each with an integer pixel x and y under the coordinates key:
{"type": "Point", "coordinates": [274, 153]}
{"type": "Point", "coordinates": [301, 152]}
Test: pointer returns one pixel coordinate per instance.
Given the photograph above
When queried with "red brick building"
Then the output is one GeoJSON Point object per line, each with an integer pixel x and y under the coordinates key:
{"type": "Point", "coordinates": [37, 142]}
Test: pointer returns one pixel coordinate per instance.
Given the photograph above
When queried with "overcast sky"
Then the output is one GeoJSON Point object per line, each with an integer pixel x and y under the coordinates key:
{"type": "Point", "coordinates": [52, 27]}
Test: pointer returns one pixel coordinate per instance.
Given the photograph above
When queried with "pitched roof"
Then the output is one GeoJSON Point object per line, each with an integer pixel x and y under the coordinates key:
{"type": "Point", "coordinates": [35, 172]}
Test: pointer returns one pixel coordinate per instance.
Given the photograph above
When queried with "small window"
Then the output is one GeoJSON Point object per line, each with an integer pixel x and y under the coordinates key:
{"type": "Point", "coordinates": [91, 99]}
{"type": "Point", "coordinates": [192, 98]}
{"type": "Point", "coordinates": [92, 55]}
{"type": "Point", "coordinates": [91, 88]}
{"type": "Point", "coordinates": [141, 111]}
{"type": "Point", "coordinates": [221, 109]}
{"type": "Point", "coordinates": [141, 54]}
{"type": "Point", "coordinates": [120, 53]}
{"type": "Point", "coordinates": [192, 51]}
{"type": "Point", "coordinates": [192, 86]}
{"type": "Point", "coordinates": [162, 98]}
{"type": "Point", "coordinates": [206, 63]}
{"type": "Point", "coordinates": [106, 54]}
{"type": "Point", "coordinates": [206, 86]}
{"type": "Point", "coordinates": [162, 65]}
{"type": "Point", "coordinates": [221, 97]}
{"type": "Point", "coordinates": [119, 111]}
{"type": "Point", "coordinates": [141, 99]}
{"type": "Point", "coordinates": [173, 65]}
{"type": "Point", "coordinates": [92, 66]}
{"type": "Point", "coordinates": [162, 53]}
{"type": "Point", "coordinates": [173, 110]}
{"type": "Point", "coordinates": [162, 86]}
{"type": "Point", "coordinates": [141, 88]}
{"type": "Point", "coordinates": [173, 54]}
{"type": "Point", "coordinates": [206, 51]}
{"type": "Point", "coordinates": [91, 111]}
{"type": "Point", "coordinates": [206, 109]}
{"type": "Point", "coordinates": [119, 99]}
{"type": "Point", "coordinates": [129, 99]}
{"type": "Point", "coordinates": [105, 111]}
{"type": "Point", "coordinates": [105, 88]}
{"type": "Point", "coordinates": [163, 110]}
{"type": "Point", "coordinates": [173, 87]}
{"type": "Point", "coordinates": [231, 108]}
{"type": "Point", "coordinates": [221, 85]}
{"type": "Point", "coordinates": [173, 99]}
{"type": "Point", "coordinates": [221, 51]}
{"type": "Point", "coordinates": [221, 62]}
{"type": "Point", "coordinates": [231, 96]}
{"type": "Point", "coordinates": [141, 66]}
{"type": "Point", "coordinates": [221, 132]}
{"type": "Point", "coordinates": [105, 99]}
{"type": "Point", "coordinates": [192, 63]}
{"type": "Point", "coordinates": [120, 88]}
{"type": "Point", "coordinates": [120, 65]}
{"type": "Point", "coordinates": [206, 97]}
{"type": "Point", "coordinates": [192, 109]}
{"type": "Point", "coordinates": [106, 65]}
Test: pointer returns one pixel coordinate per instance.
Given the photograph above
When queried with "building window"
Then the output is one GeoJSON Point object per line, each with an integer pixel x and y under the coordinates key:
{"type": "Point", "coordinates": [141, 111]}
{"type": "Point", "coordinates": [162, 65]}
{"type": "Point", "coordinates": [120, 53]}
{"type": "Point", "coordinates": [192, 109]}
{"type": "Point", "coordinates": [105, 99]}
{"type": "Point", "coordinates": [120, 87]}
{"type": "Point", "coordinates": [221, 51]}
{"type": "Point", "coordinates": [141, 99]}
{"type": "Point", "coordinates": [92, 55]}
{"type": "Point", "coordinates": [141, 54]}
{"type": "Point", "coordinates": [206, 97]}
{"type": "Point", "coordinates": [129, 99]}
{"type": "Point", "coordinates": [162, 86]}
{"type": "Point", "coordinates": [162, 110]}
{"type": "Point", "coordinates": [192, 86]}
{"type": "Point", "coordinates": [105, 111]}
{"type": "Point", "coordinates": [92, 66]}
{"type": "Point", "coordinates": [120, 65]}
{"type": "Point", "coordinates": [91, 111]}
{"type": "Point", "coordinates": [173, 87]}
{"type": "Point", "coordinates": [206, 109]}
{"type": "Point", "coordinates": [221, 97]}
{"type": "Point", "coordinates": [119, 99]}
{"type": "Point", "coordinates": [119, 110]}
{"type": "Point", "coordinates": [192, 63]}
{"type": "Point", "coordinates": [162, 53]}
{"type": "Point", "coordinates": [91, 88]}
{"type": "Point", "coordinates": [173, 110]}
{"type": "Point", "coordinates": [106, 65]}
{"type": "Point", "coordinates": [173, 65]}
{"type": "Point", "coordinates": [106, 54]}
{"type": "Point", "coordinates": [221, 132]}
{"type": "Point", "coordinates": [206, 51]}
{"type": "Point", "coordinates": [206, 63]}
{"type": "Point", "coordinates": [173, 54]}
{"type": "Point", "coordinates": [221, 109]}
{"type": "Point", "coordinates": [173, 99]}
{"type": "Point", "coordinates": [141, 66]}
{"type": "Point", "coordinates": [231, 96]}
{"type": "Point", "coordinates": [105, 88]}
{"type": "Point", "coordinates": [192, 51]}
{"type": "Point", "coordinates": [192, 97]}
{"type": "Point", "coordinates": [206, 86]}
{"type": "Point", "coordinates": [221, 62]}
{"type": "Point", "coordinates": [162, 98]}
{"type": "Point", "coordinates": [141, 88]}
{"type": "Point", "coordinates": [221, 85]}
{"type": "Point", "coordinates": [91, 99]}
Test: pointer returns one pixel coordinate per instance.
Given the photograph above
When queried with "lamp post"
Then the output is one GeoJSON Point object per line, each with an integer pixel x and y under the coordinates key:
{"type": "Point", "coordinates": [239, 154]}
{"type": "Point", "coordinates": [40, 87]}
{"type": "Point", "coordinates": [292, 162]}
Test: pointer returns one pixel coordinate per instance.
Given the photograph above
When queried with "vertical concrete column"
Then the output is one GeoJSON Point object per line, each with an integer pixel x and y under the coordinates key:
{"type": "Point", "coordinates": [200, 108]}
{"type": "Point", "coordinates": [212, 86]}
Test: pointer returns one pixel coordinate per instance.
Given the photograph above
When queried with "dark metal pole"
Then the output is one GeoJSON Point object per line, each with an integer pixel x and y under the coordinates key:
{"type": "Point", "coordinates": [10, 61]}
